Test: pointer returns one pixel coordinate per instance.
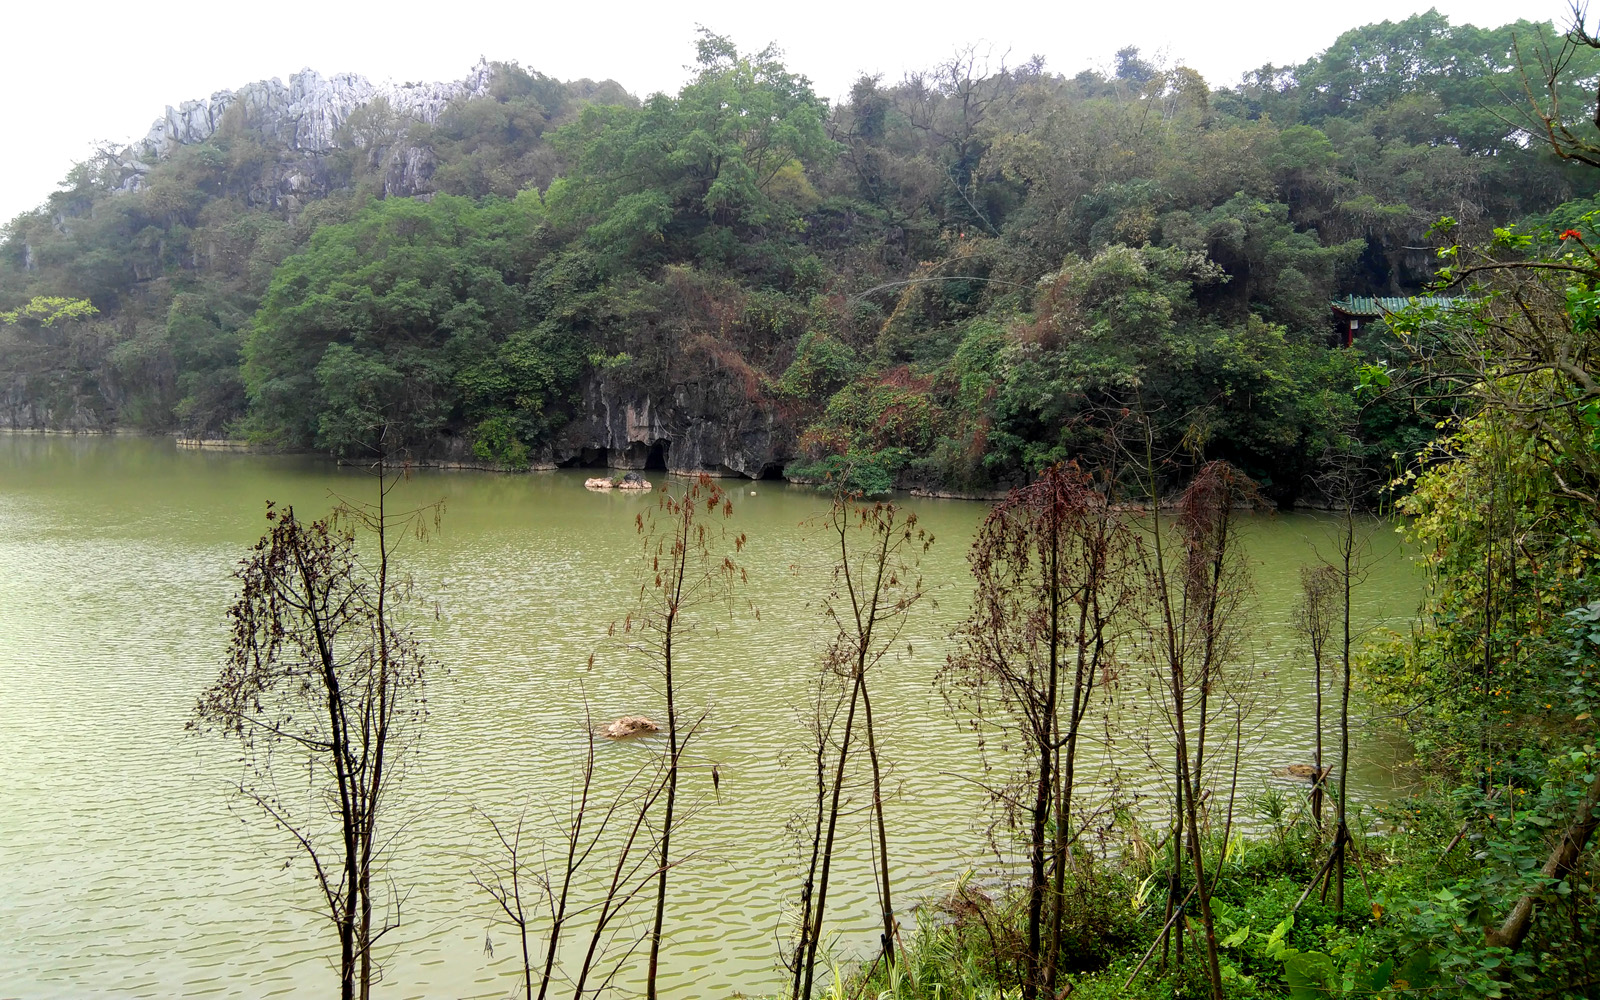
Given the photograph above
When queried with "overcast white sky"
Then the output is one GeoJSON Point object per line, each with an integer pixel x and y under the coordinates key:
{"type": "Point", "coordinates": [94, 70]}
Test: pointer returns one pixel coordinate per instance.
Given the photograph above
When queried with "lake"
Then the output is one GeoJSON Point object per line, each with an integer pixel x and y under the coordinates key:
{"type": "Point", "coordinates": [130, 869]}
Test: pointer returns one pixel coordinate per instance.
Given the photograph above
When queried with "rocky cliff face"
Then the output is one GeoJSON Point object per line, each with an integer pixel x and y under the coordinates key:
{"type": "Point", "coordinates": [79, 404]}
{"type": "Point", "coordinates": [708, 426]}
{"type": "Point", "coordinates": [304, 119]}
{"type": "Point", "coordinates": [308, 113]}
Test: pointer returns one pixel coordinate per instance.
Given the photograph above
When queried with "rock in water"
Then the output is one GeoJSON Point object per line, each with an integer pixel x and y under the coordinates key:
{"type": "Point", "coordinates": [1305, 771]}
{"type": "Point", "coordinates": [630, 725]}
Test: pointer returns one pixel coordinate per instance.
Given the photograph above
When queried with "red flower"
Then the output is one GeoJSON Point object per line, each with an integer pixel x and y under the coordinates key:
{"type": "Point", "coordinates": [1572, 234]}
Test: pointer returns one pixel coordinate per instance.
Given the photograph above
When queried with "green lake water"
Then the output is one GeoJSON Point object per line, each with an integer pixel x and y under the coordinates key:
{"type": "Point", "coordinates": [130, 870]}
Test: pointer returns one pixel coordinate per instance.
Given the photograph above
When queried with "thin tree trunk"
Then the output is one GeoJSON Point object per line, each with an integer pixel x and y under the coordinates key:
{"type": "Point", "coordinates": [339, 751]}
{"type": "Point", "coordinates": [1318, 779]}
{"type": "Point", "coordinates": [887, 907]}
{"type": "Point", "coordinates": [827, 845]}
{"type": "Point", "coordinates": [1066, 747]}
{"type": "Point", "coordinates": [558, 918]}
{"type": "Point", "coordinates": [1342, 833]}
{"type": "Point", "coordinates": [808, 890]}
{"type": "Point", "coordinates": [1066, 772]}
{"type": "Point", "coordinates": [1037, 967]}
{"type": "Point", "coordinates": [1056, 911]}
{"type": "Point", "coordinates": [1213, 599]}
{"type": "Point", "coordinates": [1164, 601]}
{"type": "Point", "coordinates": [1036, 883]}
{"type": "Point", "coordinates": [666, 826]}
{"type": "Point", "coordinates": [374, 787]}
{"type": "Point", "coordinates": [864, 629]}
{"type": "Point", "coordinates": [1175, 877]}
{"type": "Point", "coordinates": [680, 559]}
{"type": "Point", "coordinates": [1213, 967]}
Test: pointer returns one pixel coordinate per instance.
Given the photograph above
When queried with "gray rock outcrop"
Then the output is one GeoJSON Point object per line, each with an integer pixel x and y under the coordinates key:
{"type": "Point", "coordinates": [706, 426]}
{"type": "Point", "coordinates": [78, 403]}
{"type": "Point", "coordinates": [307, 114]}
{"type": "Point", "coordinates": [303, 122]}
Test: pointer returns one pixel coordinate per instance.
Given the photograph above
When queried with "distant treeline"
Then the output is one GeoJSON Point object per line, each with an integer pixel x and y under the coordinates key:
{"type": "Point", "coordinates": [947, 280]}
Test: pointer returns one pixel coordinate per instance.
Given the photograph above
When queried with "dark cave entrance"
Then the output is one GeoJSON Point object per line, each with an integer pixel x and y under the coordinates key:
{"type": "Point", "coordinates": [657, 458]}
{"type": "Point", "coordinates": [588, 458]}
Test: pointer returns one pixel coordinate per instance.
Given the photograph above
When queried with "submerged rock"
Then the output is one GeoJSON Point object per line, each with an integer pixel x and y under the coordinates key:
{"type": "Point", "coordinates": [1305, 771]}
{"type": "Point", "coordinates": [630, 725]}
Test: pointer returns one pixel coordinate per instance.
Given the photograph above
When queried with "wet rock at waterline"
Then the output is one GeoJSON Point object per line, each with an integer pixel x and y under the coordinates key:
{"type": "Point", "coordinates": [631, 481]}
{"type": "Point", "coordinates": [1305, 771]}
{"type": "Point", "coordinates": [630, 726]}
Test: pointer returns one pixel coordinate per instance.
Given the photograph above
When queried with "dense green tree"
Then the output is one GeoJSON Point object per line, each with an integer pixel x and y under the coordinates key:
{"type": "Point", "coordinates": [696, 174]}
{"type": "Point", "coordinates": [370, 325]}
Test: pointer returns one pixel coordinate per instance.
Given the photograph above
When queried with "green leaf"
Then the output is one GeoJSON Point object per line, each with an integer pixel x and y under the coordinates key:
{"type": "Point", "coordinates": [1309, 975]}
{"type": "Point", "coordinates": [1375, 979]}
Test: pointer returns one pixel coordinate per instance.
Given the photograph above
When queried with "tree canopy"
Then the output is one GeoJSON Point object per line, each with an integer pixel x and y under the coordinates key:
{"type": "Point", "coordinates": [947, 278]}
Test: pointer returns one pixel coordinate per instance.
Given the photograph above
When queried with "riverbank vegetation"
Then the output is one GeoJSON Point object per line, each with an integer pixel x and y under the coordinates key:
{"type": "Point", "coordinates": [1484, 883]}
{"type": "Point", "coordinates": [937, 281]}
{"type": "Point", "coordinates": [1481, 884]}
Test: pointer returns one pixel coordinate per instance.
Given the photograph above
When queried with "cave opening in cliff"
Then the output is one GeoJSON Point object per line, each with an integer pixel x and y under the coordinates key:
{"type": "Point", "coordinates": [771, 472]}
{"type": "Point", "coordinates": [657, 459]}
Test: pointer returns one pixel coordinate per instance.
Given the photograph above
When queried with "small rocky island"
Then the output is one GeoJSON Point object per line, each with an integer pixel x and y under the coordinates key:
{"type": "Point", "coordinates": [627, 481]}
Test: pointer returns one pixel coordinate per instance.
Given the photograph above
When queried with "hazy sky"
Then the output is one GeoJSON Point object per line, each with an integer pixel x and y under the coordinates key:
{"type": "Point", "coordinates": [94, 70]}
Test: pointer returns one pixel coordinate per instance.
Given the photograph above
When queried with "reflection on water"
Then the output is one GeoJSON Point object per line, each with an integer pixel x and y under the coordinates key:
{"type": "Point", "coordinates": [130, 870]}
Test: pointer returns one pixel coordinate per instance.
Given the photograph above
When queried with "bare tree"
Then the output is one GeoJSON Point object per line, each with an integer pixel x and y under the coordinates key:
{"type": "Point", "coordinates": [689, 568]}
{"type": "Point", "coordinates": [875, 586]}
{"type": "Point", "coordinates": [1347, 548]}
{"type": "Point", "coordinates": [1553, 91]}
{"type": "Point", "coordinates": [1314, 618]}
{"type": "Point", "coordinates": [951, 106]}
{"type": "Point", "coordinates": [821, 716]}
{"type": "Point", "coordinates": [1055, 565]}
{"type": "Point", "coordinates": [322, 679]}
{"type": "Point", "coordinates": [1345, 483]}
{"type": "Point", "coordinates": [632, 872]}
{"type": "Point", "coordinates": [1195, 598]}
{"type": "Point", "coordinates": [597, 827]}
{"type": "Point", "coordinates": [504, 882]}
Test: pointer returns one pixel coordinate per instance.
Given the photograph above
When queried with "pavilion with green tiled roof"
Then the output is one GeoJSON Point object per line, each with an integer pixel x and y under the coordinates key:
{"type": "Point", "coordinates": [1352, 310]}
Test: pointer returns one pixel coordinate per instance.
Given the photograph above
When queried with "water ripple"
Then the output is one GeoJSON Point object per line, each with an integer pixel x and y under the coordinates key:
{"type": "Point", "coordinates": [130, 870]}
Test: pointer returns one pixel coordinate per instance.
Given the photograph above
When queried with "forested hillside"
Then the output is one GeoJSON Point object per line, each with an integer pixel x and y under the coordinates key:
{"type": "Point", "coordinates": [949, 280]}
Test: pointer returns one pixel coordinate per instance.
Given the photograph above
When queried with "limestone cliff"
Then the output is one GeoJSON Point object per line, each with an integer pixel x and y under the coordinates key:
{"type": "Point", "coordinates": [707, 426]}
{"type": "Point", "coordinates": [78, 401]}
{"type": "Point", "coordinates": [308, 113]}
{"type": "Point", "coordinates": [303, 120]}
